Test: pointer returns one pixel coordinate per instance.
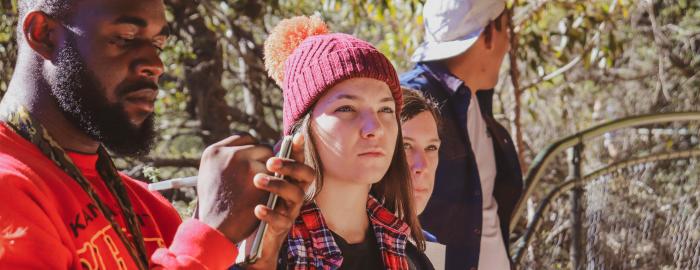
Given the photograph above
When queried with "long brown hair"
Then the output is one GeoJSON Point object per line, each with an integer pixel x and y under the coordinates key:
{"type": "Point", "coordinates": [394, 190]}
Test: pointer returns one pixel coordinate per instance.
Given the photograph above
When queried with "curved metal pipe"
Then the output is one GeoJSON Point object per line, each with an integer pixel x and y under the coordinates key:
{"type": "Point", "coordinates": [543, 159]}
{"type": "Point", "coordinates": [526, 239]}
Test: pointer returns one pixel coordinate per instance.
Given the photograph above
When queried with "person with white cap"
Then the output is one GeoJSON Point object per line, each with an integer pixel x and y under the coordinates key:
{"type": "Point", "coordinates": [478, 179]}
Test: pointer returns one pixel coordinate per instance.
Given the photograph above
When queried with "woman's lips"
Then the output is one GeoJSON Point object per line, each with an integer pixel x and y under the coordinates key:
{"type": "Point", "coordinates": [420, 190]}
{"type": "Point", "coordinates": [372, 154]}
{"type": "Point", "coordinates": [372, 151]}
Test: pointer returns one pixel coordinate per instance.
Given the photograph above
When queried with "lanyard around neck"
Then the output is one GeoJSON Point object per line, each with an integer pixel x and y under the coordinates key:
{"type": "Point", "coordinates": [26, 126]}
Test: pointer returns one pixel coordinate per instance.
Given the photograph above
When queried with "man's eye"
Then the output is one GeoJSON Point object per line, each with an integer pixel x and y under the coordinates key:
{"type": "Point", "coordinates": [122, 41]}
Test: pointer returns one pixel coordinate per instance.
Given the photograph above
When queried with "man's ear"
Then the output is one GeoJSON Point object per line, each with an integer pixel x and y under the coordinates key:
{"type": "Point", "coordinates": [41, 33]}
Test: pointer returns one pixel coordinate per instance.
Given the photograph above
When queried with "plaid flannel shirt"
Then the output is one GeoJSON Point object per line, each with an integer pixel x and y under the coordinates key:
{"type": "Point", "coordinates": [311, 244]}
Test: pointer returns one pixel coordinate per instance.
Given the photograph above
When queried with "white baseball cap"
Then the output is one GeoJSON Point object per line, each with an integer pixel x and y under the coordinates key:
{"type": "Point", "coordinates": [452, 26]}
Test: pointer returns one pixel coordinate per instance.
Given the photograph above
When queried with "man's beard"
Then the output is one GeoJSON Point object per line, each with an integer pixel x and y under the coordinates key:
{"type": "Point", "coordinates": [81, 98]}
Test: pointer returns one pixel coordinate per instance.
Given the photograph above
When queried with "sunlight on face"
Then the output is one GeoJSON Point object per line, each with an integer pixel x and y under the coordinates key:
{"type": "Point", "coordinates": [355, 130]}
{"type": "Point", "coordinates": [421, 143]}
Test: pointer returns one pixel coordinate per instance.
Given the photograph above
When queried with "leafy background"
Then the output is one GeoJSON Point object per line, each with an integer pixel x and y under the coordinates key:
{"type": "Point", "coordinates": [573, 64]}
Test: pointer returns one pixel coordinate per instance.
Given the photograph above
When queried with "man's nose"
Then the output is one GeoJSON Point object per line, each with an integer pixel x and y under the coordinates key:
{"type": "Point", "coordinates": [149, 65]}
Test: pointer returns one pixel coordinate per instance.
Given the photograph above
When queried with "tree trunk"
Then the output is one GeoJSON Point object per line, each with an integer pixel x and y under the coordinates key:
{"type": "Point", "coordinates": [203, 73]}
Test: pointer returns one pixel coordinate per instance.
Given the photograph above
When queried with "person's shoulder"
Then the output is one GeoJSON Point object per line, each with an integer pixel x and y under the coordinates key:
{"type": "Point", "coordinates": [429, 236]}
{"type": "Point", "coordinates": [416, 78]}
{"type": "Point", "coordinates": [417, 259]}
{"type": "Point", "coordinates": [133, 183]}
{"type": "Point", "coordinates": [14, 172]}
{"type": "Point", "coordinates": [165, 214]}
{"type": "Point", "coordinates": [24, 174]}
{"type": "Point", "coordinates": [422, 79]}
{"type": "Point", "coordinates": [13, 145]}
{"type": "Point", "coordinates": [152, 198]}
{"type": "Point", "coordinates": [19, 159]}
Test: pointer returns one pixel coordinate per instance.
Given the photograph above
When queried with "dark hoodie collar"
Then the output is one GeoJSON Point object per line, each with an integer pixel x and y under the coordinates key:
{"type": "Point", "coordinates": [455, 85]}
{"type": "Point", "coordinates": [440, 72]}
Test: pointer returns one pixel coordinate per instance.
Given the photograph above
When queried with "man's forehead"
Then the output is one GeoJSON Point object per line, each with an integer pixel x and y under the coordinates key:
{"type": "Point", "coordinates": [150, 11]}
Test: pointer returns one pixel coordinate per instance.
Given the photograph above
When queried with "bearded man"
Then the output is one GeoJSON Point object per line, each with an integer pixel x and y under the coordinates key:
{"type": "Point", "coordinates": [86, 81]}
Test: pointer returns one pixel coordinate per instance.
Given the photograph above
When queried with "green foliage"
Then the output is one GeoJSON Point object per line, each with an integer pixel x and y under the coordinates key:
{"type": "Point", "coordinates": [8, 46]}
{"type": "Point", "coordinates": [579, 62]}
{"type": "Point", "coordinates": [151, 174]}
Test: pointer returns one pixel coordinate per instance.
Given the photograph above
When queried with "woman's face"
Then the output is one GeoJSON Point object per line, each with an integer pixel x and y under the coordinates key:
{"type": "Point", "coordinates": [421, 143]}
{"type": "Point", "coordinates": [354, 128]}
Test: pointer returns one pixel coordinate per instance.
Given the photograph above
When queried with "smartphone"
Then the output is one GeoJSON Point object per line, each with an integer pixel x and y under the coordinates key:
{"type": "Point", "coordinates": [250, 249]}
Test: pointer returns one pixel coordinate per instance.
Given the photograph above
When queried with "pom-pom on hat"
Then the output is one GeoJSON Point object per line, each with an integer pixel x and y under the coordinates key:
{"type": "Point", "coordinates": [306, 60]}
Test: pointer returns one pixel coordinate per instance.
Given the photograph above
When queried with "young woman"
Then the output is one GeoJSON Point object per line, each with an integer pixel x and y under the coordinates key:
{"type": "Point", "coordinates": [420, 122]}
{"type": "Point", "coordinates": [344, 97]}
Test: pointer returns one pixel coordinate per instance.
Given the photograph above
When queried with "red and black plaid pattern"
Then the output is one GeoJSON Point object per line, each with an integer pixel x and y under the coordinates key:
{"type": "Point", "coordinates": [311, 244]}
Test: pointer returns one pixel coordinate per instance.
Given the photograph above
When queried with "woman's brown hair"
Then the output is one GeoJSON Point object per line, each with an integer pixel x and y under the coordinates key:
{"type": "Point", "coordinates": [394, 190]}
{"type": "Point", "coordinates": [415, 103]}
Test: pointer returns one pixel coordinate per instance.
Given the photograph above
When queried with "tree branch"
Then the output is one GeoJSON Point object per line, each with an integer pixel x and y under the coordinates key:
{"type": "Point", "coordinates": [658, 40]}
{"type": "Point", "coordinates": [265, 131]}
{"type": "Point", "coordinates": [576, 60]}
{"type": "Point", "coordinates": [557, 72]}
{"type": "Point", "coordinates": [515, 80]}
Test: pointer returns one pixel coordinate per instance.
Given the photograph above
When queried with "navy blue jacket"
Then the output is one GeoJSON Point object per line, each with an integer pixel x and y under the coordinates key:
{"type": "Point", "coordinates": [454, 211]}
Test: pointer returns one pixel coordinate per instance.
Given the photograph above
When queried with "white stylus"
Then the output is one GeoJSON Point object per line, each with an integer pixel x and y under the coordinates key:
{"type": "Point", "coordinates": [174, 183]}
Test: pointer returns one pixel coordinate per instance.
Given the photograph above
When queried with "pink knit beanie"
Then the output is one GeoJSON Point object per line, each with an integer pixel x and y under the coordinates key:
{"type": "Point", "coordinates": [306, 60]}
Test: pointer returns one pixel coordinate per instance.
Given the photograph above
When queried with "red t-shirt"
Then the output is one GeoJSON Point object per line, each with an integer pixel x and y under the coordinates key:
{"type": "Point", "coordinates": [47, 221]}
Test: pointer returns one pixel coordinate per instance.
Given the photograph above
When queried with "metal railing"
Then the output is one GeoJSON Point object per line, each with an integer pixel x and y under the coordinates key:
{"type": "Point", "coordinates": [576, 178]}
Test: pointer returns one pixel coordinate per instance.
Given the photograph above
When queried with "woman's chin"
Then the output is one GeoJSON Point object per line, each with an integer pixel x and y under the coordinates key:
{"type": "Point", "coordinates": [368, 179]}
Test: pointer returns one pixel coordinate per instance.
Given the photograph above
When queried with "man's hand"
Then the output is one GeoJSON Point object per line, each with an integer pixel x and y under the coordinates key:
{"type": "Point", "coordinates": [225, 188]}
{"type": "Point", "coordinates": [235, 174]}
{"type": "Point", "coordinates": [298, 177]}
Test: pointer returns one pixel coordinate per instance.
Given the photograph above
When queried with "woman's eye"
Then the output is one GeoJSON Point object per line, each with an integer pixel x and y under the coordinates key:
{"type": "Point", "coordinates": [344, 109]}
{"type": "Point", "coordinates": [387, 110]}
{"type": "Point", "coordinates": [406, 146]}
{"type": "Point", "coordinates": [431, 148]}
